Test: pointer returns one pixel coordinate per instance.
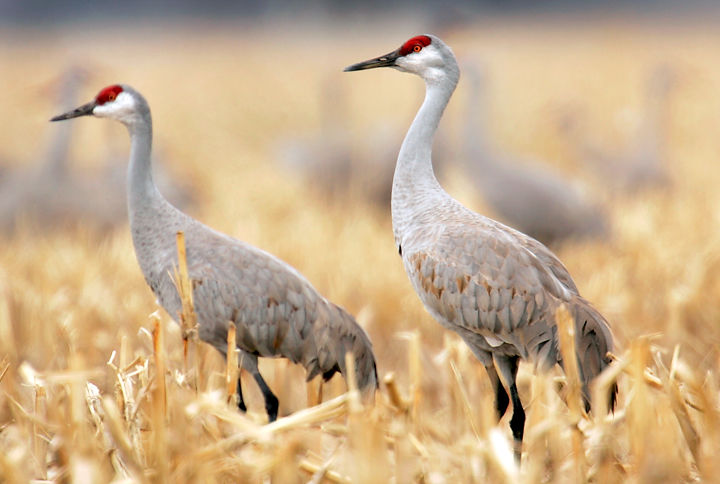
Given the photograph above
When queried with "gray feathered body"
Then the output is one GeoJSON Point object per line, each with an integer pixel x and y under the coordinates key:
{"type": "Point", "coordinates": [499, 289]}
{"type": "Point", "coordinates": [496, 287]}
{"type": "Point", "coordinates": [276, 310]}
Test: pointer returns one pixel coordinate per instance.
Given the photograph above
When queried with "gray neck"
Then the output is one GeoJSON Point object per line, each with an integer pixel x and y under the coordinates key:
{"type": "Point", "coordinates": [56, 161]}
{"type": "Point", "coordinates": [415, 188]}
{"type": "Point", "coordinates": [141, 190]}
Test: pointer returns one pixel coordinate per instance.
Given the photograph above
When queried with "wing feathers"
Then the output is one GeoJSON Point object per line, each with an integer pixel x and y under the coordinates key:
{"type": "Point", "coordinates": [505, 296]}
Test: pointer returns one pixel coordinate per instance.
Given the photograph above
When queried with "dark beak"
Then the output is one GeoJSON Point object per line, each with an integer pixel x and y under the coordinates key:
{"type": "Point", "coordinates": [387, 60]}
{"type": "Point", "coordinates": [84, 110]}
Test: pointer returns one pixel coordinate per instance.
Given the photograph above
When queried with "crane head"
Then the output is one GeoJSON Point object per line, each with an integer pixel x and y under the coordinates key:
{"type": "Point", "coordinates": [422, 55]}
{"type": "Point", "coordinates": [116, 102]}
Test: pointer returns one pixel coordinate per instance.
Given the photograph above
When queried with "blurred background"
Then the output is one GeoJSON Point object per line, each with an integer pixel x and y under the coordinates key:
{"type": "Point", "coordinates": [590, 125]}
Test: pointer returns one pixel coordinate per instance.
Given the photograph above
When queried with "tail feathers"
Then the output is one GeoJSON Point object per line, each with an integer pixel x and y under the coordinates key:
{"type": "Point", "coordinates": [335, 337]}
{"type": "Point", "coordinates": [593, 341]}
{"type": "Point", "coordinates": [353, 339]}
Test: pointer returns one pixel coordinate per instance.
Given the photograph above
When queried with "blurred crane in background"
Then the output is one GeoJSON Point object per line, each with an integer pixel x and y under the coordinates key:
{"type": "Point", "coordinates": [643, 164]}
{"type": "Point", "coordinates": [48, 194]}
{"type": "Point", "coordinates": [525, 196]}
{"type": "Point", "coordinates": [51, 194]}
{"type": "Point", "coordinates": [332, 161]}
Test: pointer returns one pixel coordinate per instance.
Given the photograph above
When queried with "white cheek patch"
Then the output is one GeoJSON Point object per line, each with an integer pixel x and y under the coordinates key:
{"type": "Point", "coordinates": [417, 62]}
{"type": "Point", "coordinates": [122, 108]}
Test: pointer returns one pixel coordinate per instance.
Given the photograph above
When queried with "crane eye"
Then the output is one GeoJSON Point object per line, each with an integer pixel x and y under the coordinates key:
{"type": "Point", "coordinates": [111, 96]}
{"type": "Point", "coordinates": [417, 48]}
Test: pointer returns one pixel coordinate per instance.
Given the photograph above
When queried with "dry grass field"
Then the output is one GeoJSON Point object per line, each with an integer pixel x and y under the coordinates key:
{"type": "Point", "coordinates": [86, 395]}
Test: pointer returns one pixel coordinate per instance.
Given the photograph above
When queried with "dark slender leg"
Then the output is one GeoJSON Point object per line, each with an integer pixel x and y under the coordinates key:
{"type": "Point", "coordinates": [501, 396]}
{"type": "Point", "coordinates": [241, 402]}
{"type": "Point", "coordinates": [248, 362]}
{"type": "Point", "coordinates": [517, 422]}
{"type": "Point", "coordinates": [271, 401]}
{"type": "Point", "coordinates": [508, 366]}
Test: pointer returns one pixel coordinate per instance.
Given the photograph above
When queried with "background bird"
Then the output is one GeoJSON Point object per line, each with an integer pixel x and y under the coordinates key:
{"type": "Point", "coordinates": [276, 310]}
{"type": "Point", "coordinates": [496, 287]}
{"type": "Point", "coordinates": [524, 195]}
{"type": "Point", "coordinates": [53, 194]}
{"type": "Point", "coordinates": [643, 164]}
{"type": "Point", "coordinates": [332, 161]}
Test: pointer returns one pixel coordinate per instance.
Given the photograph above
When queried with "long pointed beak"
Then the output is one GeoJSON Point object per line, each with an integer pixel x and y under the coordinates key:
{"type": "Point", "coordinates": [387, 60]}
{"type": "Point", "coordinates": [84, 110]}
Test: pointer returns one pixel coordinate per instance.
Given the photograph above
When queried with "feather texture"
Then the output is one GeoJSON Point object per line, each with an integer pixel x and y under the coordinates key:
{"type": "Point", "coordinates": [276, 311]}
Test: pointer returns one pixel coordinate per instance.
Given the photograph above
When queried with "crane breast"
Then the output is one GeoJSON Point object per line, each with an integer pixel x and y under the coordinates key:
{"type": "Point", "coordinates": [489, 300]}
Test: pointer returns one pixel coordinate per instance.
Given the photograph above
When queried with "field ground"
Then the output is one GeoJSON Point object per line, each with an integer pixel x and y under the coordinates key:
{"type": "Point", "coordinates": [80, 398]}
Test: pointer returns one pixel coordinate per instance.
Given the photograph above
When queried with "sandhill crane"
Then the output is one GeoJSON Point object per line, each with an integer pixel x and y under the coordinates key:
{"type": "Point", "coordinates": [56, 158]}
{"type": "Point", "coordinates": [276, 310]}
{"type": "Point", "coordinates": [329, 159]}
{"type": "Point", "coordinates": [643, 164]}
{"type": "Point", "coordinates": [48, 193]}
{"type": "Point", "coordinates": [529, 198]}
{"type": "Point", "coordinates": [494, 286]}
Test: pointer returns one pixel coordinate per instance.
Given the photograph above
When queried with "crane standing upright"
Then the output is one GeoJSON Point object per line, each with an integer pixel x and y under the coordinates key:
{"type": "Point", "coordinates": [496, 287]}
{"type": "Point", "coordinates": [276, 310]}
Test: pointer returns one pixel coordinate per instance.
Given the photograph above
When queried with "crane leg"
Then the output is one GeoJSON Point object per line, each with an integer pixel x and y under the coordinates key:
{"type": "Point", "coordinates": [508, 367]}
{"type": "Point", "coordinates": [249, 362]}
{"type": "Point", "coordinates": [271, 401]}
{"type": "Point", "coordinates": [501, 396]}
{"type": "Point", "coordinates": [486, 358]}
{"type": "Point", "coordinates": [517, 422]}
{"type": "Point", "coordinates": [241, 402]}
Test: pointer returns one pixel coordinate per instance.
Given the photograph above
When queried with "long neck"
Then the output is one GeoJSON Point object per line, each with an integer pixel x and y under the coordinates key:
{"type": "Point", "coordinates": [141, 190]}
{"type": "Point", "coordinates": [415, 187]}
